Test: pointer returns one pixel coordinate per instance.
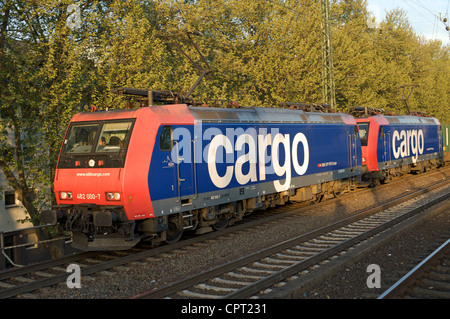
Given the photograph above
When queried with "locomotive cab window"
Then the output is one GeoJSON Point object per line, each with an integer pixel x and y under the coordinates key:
{"type": "Point", "coordinates": [113, 136]}
{"type": "Point", "coordinates": [363, 132]}
{"type": "Point", "coordinates": [81, 138]}
{"type": "Point", "coordinates": [381, 133]}
{"type": "Point", "coordinates": [165, 139]}
{"type": "Point", "coordinates": [103, 143]}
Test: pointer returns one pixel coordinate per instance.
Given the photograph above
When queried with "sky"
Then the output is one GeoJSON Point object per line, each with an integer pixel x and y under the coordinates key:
{"type": "Point", "coordinates": [423, 15]}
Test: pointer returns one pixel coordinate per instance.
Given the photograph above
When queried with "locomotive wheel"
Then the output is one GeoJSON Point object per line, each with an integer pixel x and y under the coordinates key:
{"type": "Point", "coordinates": [336, 194]}
{"type": "Point", "coordinates": [173, 234]}
{"type": "Point", "coordinates": [221, 223]}
{"type": "Point", "coordinates": [317, 198]}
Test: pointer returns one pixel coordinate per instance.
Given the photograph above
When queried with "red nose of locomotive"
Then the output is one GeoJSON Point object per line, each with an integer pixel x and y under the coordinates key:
{"type": "Point", "coordinates": [89, 186]}
{"type": "Point", "coordinates": [101, 181]}
{"type": "Point", "coordinates": [90, 178]}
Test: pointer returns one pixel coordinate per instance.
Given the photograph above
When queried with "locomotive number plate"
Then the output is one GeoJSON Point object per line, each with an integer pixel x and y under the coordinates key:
{"type": "Point", "coordinates": [88, 196]}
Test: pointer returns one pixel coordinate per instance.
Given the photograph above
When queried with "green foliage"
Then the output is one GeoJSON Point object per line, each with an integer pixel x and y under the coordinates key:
{"type": "Point", "coordinates": [371, 65]}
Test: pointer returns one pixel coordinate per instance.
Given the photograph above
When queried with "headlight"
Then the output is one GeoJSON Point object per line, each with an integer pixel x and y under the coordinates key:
{"type": "Point", "coordinates": [65, 195]}
{"type": "Point", "coordinates": [113, 196]}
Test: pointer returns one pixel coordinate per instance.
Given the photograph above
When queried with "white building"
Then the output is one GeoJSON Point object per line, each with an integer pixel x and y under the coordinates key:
{"type": "Point", "coordinates": [11, 209]}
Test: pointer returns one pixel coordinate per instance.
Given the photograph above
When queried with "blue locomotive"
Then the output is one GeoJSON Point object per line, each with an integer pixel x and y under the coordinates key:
{"type": "Point", "coordinates": [396, 145]}
{"type": "Point", "coordinates": [157, 171]}
{"type": "Point", "coordinates": [233, 161]}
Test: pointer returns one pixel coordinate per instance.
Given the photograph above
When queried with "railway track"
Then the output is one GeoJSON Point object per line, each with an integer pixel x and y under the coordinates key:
{"type": "Point", "coordinates": [257, 274]}
{"type": "Point", "coordinates": [430, 279]}
{"type": "Point", "coordinates": [19, 281]}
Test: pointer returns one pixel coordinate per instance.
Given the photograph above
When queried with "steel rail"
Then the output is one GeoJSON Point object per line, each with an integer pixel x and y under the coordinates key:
{"type": "Point", "coordinates": [296, 268]}
{"type": "Point", "coordinates": [403, 284]}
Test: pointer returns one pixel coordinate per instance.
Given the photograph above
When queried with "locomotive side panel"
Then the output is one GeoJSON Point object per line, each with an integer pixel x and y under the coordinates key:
{"type": "Point", "coordinates": [234, 161]}
{"type": "Point", "coordinates": [411, 144]}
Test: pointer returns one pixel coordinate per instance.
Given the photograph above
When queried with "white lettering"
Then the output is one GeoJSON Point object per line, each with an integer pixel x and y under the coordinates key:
{"type": "Point", "coordinates": [403, 145]}
{"type": "Point", "coordinates": [408, 142]}
{"type": "Point", "coordinates": [194, 309]}
{"type": "Point", "coordinates": [300, 138]}
{"type": "Point", "coordinates": [286, 168]}
{"type": "Point", "coordinates": [249, 157]}
{"type": "Point", "coordinates": [74, 19]}
{"type": "Point", "coordinates": [263, 141]}
{"type": "Point", "coordinates": [219, 141]}
{"type": "Point", "coordinates": [420, 142]}
{"type": "Point", "coordinates": [411, 143]}
{"type": "Point", "coordinates": [251, 150]}
{"type": "Point", "coordinates": [181, 152]}
{"type": "Point", "coordinates": [396, 150]}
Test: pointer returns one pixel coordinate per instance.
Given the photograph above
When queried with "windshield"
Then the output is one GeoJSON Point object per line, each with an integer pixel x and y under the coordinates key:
{"type": "Point", "coordinates": [112, 137]}
{"type": "Point", "coordinates": [107, 137]}
{"type": "Point", "coordinates": [81, 138]}
{"type": "Point", "coordinates": [363, 132]}
{"type": "Point", "coordinates": [101, 144]}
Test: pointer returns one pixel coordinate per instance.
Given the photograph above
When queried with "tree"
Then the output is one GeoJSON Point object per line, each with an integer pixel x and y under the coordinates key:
{"type": "Point", "coordinates": [45, 74]}
{"type": "Point", "coordinates": [372, 64]}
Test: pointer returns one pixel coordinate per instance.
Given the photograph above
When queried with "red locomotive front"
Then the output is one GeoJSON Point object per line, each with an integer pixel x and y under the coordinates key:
{"type": "Point", "coordinates": [101, 182]}
{"type": "Point", "coordinates": [369, 132]}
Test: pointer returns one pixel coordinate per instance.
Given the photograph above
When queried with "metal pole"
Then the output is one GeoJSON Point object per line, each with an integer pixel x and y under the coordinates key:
{"type": "Point", "coordinates": [4, 253]}
{"type": "Point", "coordinates": [329, 95]}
